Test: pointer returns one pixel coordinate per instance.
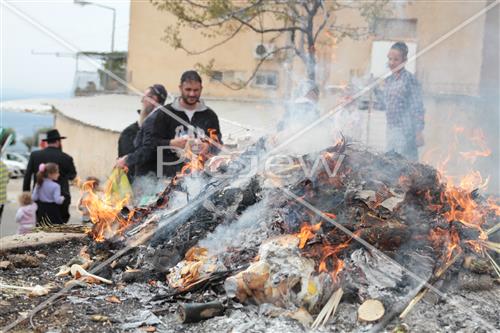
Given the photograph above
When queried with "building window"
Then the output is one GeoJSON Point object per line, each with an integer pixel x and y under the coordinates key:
{"type": "Point", "coordinates": [216, 76]}
{"type": "Point", "coordinates": [228, 77]}
{"type": "Point", "coordinates": [395, 29]}
{"type": "Point", "coordinates": [266, 80]}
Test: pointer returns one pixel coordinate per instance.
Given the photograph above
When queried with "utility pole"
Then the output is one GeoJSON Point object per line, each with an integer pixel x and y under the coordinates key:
{"type": "Point", "coordinates": [85, 3]}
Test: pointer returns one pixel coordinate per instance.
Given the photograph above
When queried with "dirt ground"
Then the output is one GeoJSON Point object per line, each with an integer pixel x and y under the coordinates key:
{"type": "Point", "coordinates": [128, 307]}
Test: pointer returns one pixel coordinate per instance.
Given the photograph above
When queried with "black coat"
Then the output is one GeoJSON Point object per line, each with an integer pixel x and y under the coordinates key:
{"type": "Point", "coordinates": [67, 168]}
{"type": "Point", "coordinates": [204, 120]}
{"type": "Point", "coordinates": [126, 140]}
{"type": "Point", "coordinates": [144, 156]}
{"type": "Point", "coordinates": [67, 172]}
{"type": "Point", "coordinates": [126, 144]}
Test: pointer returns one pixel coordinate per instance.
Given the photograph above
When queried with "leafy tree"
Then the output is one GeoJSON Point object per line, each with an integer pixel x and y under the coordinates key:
{"type": "Point", "coordinates": [300, 23]}
{"type": "Point", "coordinates": [32, 141]}
{"type": "Point", "coordinates": [5, 132]}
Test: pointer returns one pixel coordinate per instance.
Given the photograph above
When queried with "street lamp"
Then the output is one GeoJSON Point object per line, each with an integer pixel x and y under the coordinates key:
{"type": "Point", "coordinates": [84, 3]}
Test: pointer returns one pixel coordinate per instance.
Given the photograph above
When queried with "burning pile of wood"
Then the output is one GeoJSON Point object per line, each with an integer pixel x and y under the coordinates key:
{"type": "Point", "coordinates": [378, 232]}
{"type": "Point", "coordinates": [380, 228]}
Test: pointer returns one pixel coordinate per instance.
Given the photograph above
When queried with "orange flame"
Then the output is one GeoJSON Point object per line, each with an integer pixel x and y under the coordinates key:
{"type": "Point", "coordinates": [306, 233]}
{"type": "Point", "coordinates": [479, 139]}
{"type": "Point", "coordinates": [450, 238]}
{"type": "Point", "coordinates": [104, 211]}
{"type": "Point", "coordinates": [475, 245]}
{"type": "Point", "coordinates": [462, 206]}
{"type": "Point", "coordinates": [331, 251]}
{"type": "Point", "coordinates": [196, 161]}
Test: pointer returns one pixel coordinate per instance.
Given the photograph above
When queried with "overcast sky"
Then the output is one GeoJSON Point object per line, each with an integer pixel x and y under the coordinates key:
{"type": "Point", "coordinates": [88, 28]}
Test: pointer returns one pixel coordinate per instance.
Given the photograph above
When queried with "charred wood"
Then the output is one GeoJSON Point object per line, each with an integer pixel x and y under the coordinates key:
{"type": "Point", "coordinates": [195, 312]}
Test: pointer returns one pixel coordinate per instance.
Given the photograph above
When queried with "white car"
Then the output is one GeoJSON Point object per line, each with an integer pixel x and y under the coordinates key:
{"type": "Point", "coordinates": [16, 164]}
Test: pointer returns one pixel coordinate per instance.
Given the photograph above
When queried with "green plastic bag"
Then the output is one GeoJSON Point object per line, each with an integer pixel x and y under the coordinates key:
{"type": "Point", "coordinates": [117, 187]}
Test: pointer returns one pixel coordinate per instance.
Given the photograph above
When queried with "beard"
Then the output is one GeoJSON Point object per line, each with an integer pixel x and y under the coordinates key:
{"type": "Point", "coordinates": [145, 111]}
{"type": "Point", "coordinates": [186, 100]}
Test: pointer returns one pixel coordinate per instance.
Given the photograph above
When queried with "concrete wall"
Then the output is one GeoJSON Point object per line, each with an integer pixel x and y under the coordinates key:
{"type": "Point", "coordinates": [94, 150]}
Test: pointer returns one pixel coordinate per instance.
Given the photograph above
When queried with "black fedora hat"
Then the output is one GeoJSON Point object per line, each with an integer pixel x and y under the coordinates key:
{"type": "Point", "coordinates": [53, 135]}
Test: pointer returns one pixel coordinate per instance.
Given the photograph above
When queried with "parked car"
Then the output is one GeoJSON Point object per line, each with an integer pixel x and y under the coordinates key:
{"type": "Point", "coordinates": [16, 164]}
{"type": "Point", "coordinates": [18, 157]}
{"type": "Point", "coordinates": [14, 168]}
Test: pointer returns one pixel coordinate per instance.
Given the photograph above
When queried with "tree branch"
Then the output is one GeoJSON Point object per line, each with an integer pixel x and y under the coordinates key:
{"type": "Point", "coordinates": [263, 31]}
{"type": "Point", "coordinates": [214, 45]}
{"type": "Point", "coordinates": [326, 17]}
{"type": "Point", "coordinates": [257, 67]}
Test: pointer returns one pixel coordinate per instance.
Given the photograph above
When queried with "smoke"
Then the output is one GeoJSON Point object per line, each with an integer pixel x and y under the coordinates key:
{"type": "Point", "coordinates": [245, 232]}
{"type": "Point", "coordinates": [146, 189]}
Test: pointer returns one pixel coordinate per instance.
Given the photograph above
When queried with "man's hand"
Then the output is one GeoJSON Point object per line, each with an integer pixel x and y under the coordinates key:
{"type": "Point", "coordinates": [178, 142]}
{"type": "Point", "coordinates": [121, 162]}
{"type": "Point", "coordinates": [420, 139]}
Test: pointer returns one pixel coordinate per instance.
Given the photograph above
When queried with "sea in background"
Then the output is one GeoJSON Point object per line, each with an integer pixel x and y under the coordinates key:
{"type": "Point", "coordinates": [25, 124]}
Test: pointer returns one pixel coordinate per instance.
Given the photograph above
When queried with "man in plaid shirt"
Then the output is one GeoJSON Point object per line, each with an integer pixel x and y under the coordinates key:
{"type": "Point", "coordinates": [402, 99]}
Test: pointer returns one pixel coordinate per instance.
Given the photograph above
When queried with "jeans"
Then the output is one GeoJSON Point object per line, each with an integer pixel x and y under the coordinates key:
{"type": "Point", "coordinates": [402, 142]}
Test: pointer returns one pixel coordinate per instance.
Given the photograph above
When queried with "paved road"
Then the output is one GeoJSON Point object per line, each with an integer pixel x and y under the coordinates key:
{"type": "Point", "coordinates": [8, 225]}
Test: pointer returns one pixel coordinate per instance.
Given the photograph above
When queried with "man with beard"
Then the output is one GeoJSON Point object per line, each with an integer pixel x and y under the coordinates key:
{"type": "Point", "coordinates": [187, 117]}
{"type": "Point", "coordinates": [53, 153]}
{"type": "Point", "coordinates": [144, 157]}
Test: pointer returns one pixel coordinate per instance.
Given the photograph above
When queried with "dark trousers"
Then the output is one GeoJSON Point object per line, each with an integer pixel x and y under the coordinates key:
{"type": "Point", "coordinates": [64, 208]}
{"type": "Point", "coordinates": [48, 212]}
{"type": "Point", "coordinates": [1, 212]}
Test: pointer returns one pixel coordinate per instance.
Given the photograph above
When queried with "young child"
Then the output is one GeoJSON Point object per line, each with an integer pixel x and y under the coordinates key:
{"type": "Point", "coordinates": [91, 184]}
{"type": "Point", "coordinates": [47, 194]}
{"type": "Point", "coordinates": [26, 214]}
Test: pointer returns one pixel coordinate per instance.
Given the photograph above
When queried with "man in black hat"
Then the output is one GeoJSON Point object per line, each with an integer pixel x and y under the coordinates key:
{"type": "Point", "coordinates": [53, 153]}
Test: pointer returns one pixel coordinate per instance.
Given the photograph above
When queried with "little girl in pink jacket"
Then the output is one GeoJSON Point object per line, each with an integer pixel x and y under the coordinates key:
{"type": "Point", "coordinates": [26, 214]}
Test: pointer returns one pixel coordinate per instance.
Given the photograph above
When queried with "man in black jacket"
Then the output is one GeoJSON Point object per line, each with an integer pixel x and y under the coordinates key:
{"type": "Point", "coordinates": [53, 153]}
{"type": "Point", "coordinates": [144, 156]}
{"type": "Point", "coordinates": [186, 117]}
{"type": "Point", "coordinates": [126, 145]}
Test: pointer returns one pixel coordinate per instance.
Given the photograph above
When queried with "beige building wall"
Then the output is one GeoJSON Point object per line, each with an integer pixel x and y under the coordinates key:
{"type": "Point", "coordinates": [451, 66]}
{"type": "Point", "coordinates": [94, 150]}
{"type": "Point", "coordinates": [152, 60]}
{"type": "Point", "coordinates": [441, 70]}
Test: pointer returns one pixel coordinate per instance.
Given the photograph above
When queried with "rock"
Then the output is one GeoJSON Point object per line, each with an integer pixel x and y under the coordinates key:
{"type": "Point", "coordinates": [23, 260]}
{"type": "Point", "coordinates": [40, 255]}
{"type": "Point", "coordinates": [99, 318]}
{"type": "Point", "coordinates": [5, 264]}
{"type": "Point", "coordinates": [474, 282]}
{"type": "Point", "coordinates": [133, 275]}
{"type": "Point", "coordinates": [302, 316]}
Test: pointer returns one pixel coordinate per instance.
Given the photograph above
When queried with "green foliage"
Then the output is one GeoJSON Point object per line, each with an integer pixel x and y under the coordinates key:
{"type": "Point", "coordinates": [5, 134]}
{"type": "Point", "coordinates": [32, 141]}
